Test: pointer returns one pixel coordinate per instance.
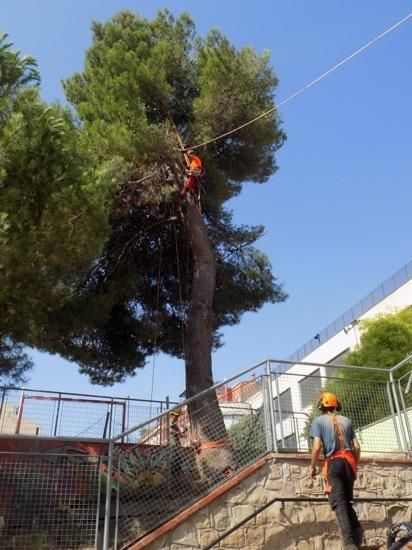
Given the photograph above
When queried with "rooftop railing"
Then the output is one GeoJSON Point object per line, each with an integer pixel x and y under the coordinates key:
{"type": "Point", "coordinates": [360, 308]}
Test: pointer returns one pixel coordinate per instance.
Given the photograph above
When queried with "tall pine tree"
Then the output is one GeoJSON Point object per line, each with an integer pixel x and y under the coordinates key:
{"type": "Point", "coordinates": [124, 264]}
{"type": "Point", "coordinates": [145, 87]}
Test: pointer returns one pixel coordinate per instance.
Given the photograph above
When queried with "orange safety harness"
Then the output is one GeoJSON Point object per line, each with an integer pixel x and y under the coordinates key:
{"type": "Point", "coordinates": [339, 453]}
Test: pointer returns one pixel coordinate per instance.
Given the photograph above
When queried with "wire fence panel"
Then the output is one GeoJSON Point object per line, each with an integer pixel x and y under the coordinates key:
{"type": "Point", "coordinates": [49, 501]}
{"type": "Point", "coordinates": [403, 387]}
{"type": "Point", "coordinates": [183, 454]}
{"type": "Point", "coordinates": [170, 460]}
{"type": "Point", "coordinates": [33, 412]}
{"type": "Point", "coordinates": [177, 458]}
{"type": "Point", "coordinates": [366, 402]}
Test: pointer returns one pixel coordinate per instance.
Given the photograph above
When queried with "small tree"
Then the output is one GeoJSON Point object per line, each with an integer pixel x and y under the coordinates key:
{"type": "Point", "coordinates": [385, 340]}
{"type": "Point", "coordinates": [248, 438]}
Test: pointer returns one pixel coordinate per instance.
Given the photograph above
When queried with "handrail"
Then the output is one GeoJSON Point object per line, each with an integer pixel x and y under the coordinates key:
{"type": "Point", "coordinates": [401, 363]}
{"type": "Point", "coordinates": [234, 377]}
{"type": "Point", "coordinates": [332, 365]}
{"type": "Point", "coordinates": [294, 499]}
{"type": "Point", "coordinates": [16, 388]}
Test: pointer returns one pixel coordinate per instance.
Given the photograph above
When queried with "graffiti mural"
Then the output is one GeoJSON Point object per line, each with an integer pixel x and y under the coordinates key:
{"type": "Point", "coordinates": [49, 493]}
{"type": "Point", "coordinates": [52, 492]}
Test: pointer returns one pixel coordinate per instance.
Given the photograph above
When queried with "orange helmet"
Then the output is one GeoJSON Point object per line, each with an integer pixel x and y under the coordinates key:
{"type": "Point", "coordinates": [327, 400]}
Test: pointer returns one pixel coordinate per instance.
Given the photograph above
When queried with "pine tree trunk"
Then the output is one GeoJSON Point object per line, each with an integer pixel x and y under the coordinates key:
{"type": "Point", "coordinates": [205, 414]}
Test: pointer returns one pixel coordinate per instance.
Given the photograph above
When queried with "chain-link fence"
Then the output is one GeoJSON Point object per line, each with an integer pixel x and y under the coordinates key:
{"type": "Point", "coordinates": [82, 498]}
{"type": "Point", "coordinates": [49, 501]}
{"type": "Point", "coordinates": [366, 402]}
{"type": "Point", "coordinates": [47, 413]}
{"type": "Point", "coordinates": [181, 455]}
{"type": "Point", "coordinates": [403, 408]}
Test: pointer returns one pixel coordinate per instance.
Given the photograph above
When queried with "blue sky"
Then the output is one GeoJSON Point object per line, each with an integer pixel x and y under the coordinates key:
{"type": "Point", "coordinates": [338, 210]}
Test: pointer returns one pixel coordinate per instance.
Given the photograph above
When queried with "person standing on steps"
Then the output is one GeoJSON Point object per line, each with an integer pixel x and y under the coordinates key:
{"type": "Point", "coordinates": [334, 434]}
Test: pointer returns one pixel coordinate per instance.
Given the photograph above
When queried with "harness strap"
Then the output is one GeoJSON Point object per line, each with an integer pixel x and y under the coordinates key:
{"type": "Point", "coordinates": [340, 452]}
{"type": "Point", "coordinates": [338, 432]}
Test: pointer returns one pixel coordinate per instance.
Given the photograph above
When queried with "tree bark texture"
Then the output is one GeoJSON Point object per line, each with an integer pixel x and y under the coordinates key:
{"type": "Point", "coordinates": [206, 416]}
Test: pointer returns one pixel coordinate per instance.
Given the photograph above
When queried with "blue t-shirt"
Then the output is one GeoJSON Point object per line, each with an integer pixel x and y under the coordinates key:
{"type": "Point", "coordinates": [323, 427]}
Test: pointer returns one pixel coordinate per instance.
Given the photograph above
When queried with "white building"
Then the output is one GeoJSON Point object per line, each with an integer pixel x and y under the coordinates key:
{"type": "Point", "coordinates": [295, 387]}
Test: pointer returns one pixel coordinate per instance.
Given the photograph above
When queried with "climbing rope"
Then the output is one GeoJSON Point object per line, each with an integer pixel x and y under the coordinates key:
{"type": "Point", "coordinates": [180, 291]}
{"type": "Point", "coordinates": [304, 88]}
{"type": "Point", "coordinates": [285, 101]}
{"type": "Point", "coordinates": [156, 325]}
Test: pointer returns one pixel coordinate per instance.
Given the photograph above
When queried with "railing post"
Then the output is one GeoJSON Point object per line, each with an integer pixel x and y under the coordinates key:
{"type": "Point", "coordinates": [405, 416]}
{"type": "Point", "coordinates": [167, 427]}
{"type": "Point", "coordinates": [271, 409]}
{"type": "Point", "coordinates": [106, 533]}
{"type": "Point", "coordinates": [57, 414]}
{"type": "Point", "coordinates": [3, 395]}
{"type": "Point", "coordinates": [266, 414]}
{"type": "Point", "coordinates": [398, 412]}
{"type": "Point", "coordinates": [280, 410]}
{"type": "Point", "coordinates": [395, 424]}
{"type": "Point", "coordinates": [20, 413]}
{"type": "Point", "coordinates": [124, 417]}
{"type": "Point", "coordinates": [116, 520]}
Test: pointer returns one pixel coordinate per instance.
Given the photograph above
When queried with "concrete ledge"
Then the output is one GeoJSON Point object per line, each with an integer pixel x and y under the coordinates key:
{"type": "Point", "coordinates": [392, 458]}
{"type": "Point", "coordinates": [210, 497]}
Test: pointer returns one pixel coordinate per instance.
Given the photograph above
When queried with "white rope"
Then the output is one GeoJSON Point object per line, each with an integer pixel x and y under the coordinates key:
{"type": "Point", "coordinates": [312, 83]}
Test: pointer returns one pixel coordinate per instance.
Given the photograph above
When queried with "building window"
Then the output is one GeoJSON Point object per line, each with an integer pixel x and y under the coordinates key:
{"type": "Point", "coordinates": [286, 407]}
{"type": "Point", "coordinates": [290, 442]}
{"type": "Point", "coordinates": [310, 388]}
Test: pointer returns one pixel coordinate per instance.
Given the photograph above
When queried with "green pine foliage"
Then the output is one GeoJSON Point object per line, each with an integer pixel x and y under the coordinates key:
{"type": "Point", "coordinates": [141, 79]}
{"type": "Point", "coordinates": [93, 231]}
{"type": "Point", "coordinates": [53, 210]}
{"type": "Point", "coordinates": [247, 437]}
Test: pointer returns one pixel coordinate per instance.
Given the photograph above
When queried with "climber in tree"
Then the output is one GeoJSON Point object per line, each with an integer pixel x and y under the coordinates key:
{"type": "Point", "coordinates": [195, 172]}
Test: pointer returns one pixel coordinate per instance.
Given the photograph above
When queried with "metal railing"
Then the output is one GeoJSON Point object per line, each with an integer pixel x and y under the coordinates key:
{"type": "Point", "coordinates": [179, 458]}
{"type": "Point", "coordinates": [50, 500]}
{"type": "Point", "coordinates": [39, 412]}
{"type": "Point", "coordinates": [360, 308]}
{"type": "Point", "coordinates": [136, 480]}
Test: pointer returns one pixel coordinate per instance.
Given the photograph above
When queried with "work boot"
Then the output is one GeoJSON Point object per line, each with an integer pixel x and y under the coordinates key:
{"type": "Point", "coordinates": [359, 537]}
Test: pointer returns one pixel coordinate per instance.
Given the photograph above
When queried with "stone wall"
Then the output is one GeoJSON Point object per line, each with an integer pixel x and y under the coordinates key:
{"type": "Point", "coordinates": [294, 525]}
